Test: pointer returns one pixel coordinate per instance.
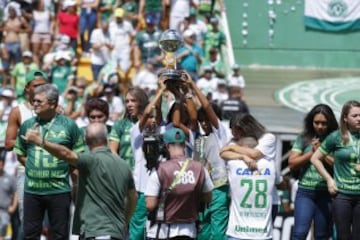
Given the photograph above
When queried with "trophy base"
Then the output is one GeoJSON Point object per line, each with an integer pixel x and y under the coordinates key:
{"type": "Point", "coordinates": [173, 80]}
{"type": "Point", "coordinates": [171, 74]}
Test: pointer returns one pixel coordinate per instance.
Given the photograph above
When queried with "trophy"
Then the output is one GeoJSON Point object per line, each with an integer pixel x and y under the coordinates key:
{"type": "Point", "coordinates": [170, 41]}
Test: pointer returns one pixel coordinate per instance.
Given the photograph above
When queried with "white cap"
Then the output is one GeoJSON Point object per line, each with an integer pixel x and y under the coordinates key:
{"type": "Point", "coordinates": [68, 3]}
{"type": "Point", "coordinates": [235, 66]}
{"type": "Point", "coordinates": [65, 39]}
{"type": "Point", "coordinates": [62, 55]}
{"type": "Point", "coordinates": [27, 54]}
{"type": "Point", "coordinates": [188, 33]}
{"type": "Point", "coordinates": [7, 93]}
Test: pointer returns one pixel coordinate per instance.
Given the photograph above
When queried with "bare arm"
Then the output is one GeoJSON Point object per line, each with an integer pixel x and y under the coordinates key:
{"type": "Point", "coordinates": [298, 160]}
{"type": "Point", "coordinates": [130, 204]}
{"type": "Point", "coordinates": [114, 147]}
{"type": "Point", "coordinates": [250, 152]}
{"type": "Point", "coordinates": [316, 160]}
{"type": "Point", "coordinates": [151, 203]}
{"type": "Point", "coordinates": [21, 159]}
{"type": "Point", "coordinates": [204, 102]}
{"type": "Point", "coordinates": [149, 108]}
{"type": "Point", "coordinates": [12, 128]}
{"type": "Point", "coordinates": [14, 203]}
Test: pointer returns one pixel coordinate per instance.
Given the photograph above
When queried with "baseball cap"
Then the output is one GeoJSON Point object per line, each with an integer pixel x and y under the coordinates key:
{"type": "Point", "coordinates": [64, 39]}
{"type": "Point", "coordinates": [119, 12]}
{"type": "Point", "coordinates": [27, 54]}
{"type": "Point", "coordinates": [7, 93]}
{"type": "Point", "coordinates": [207, 68]}
{"type": "Point", "coordinates": [150, 20]}
{"type": "Point", "coordinates": [62, 55]}
{"type": "Point", "coordinates": [235, 66]}
{"type": "Point", "coordinates": [174, 135]}
{"type": "Point", "coordinates": [188, 33]}
{"type": "Point", "coordinates": [214, 20]}
{"type": "Point", "coordinates": [68, 3]}
{"type": "Point", "coordinates": [30, 76]}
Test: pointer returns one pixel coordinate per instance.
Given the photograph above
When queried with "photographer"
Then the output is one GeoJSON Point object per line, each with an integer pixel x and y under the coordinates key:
{"type": "Point", "coordinates": [176, 192]}
{"type": "Point", "coordinates": [148, 121]}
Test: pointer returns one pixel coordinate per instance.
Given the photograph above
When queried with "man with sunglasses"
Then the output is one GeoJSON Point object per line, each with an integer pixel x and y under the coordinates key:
{"type": "Point", "coordinates": [47, 186]}
{"type": "Point", "coordinates": [17, 116]}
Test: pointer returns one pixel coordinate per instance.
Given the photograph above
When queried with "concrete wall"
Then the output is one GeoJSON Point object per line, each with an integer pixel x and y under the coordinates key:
{"type": "Point", "coordinates": [291, 44]}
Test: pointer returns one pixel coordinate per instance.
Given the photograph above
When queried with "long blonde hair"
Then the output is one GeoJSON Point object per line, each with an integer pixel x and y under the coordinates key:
{"type": "Point", "coordinates": [344, 128]}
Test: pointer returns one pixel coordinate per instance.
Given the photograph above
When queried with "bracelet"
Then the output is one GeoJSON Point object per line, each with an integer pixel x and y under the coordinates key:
{"type": "Point", "coordinates": [188, 96]}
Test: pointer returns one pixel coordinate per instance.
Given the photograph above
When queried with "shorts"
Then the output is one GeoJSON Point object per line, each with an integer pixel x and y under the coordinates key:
{"type": "Point", "coordinates": [4, 222]}
{"type": "Point", "coordinates": [41, 38]}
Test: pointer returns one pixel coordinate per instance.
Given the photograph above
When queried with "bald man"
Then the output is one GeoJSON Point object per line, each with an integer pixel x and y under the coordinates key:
{"type": "Point", "coordinates": [105, 182]}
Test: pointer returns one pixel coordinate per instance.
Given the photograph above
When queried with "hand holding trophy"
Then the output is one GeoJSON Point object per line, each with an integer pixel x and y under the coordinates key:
{"type": "Point", "coordinates": [170, 41]}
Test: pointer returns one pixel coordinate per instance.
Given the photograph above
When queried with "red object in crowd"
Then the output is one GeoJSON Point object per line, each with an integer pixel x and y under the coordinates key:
{"type": "Point", "coordinates": [68, 24]}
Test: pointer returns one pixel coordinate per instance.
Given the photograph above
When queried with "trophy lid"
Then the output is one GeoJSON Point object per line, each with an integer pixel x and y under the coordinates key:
{"type": "Point", "coordinates": [170, 40]}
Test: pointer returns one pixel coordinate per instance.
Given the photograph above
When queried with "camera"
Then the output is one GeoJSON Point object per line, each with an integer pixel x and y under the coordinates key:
{"type": "Point", "coordinates": [153, 148]}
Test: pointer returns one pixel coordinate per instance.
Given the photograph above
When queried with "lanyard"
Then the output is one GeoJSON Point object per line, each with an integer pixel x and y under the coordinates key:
{"type": "Point", "coordinates": [44, 131]}
{"type": "Point", "coordinates": [356, 147]}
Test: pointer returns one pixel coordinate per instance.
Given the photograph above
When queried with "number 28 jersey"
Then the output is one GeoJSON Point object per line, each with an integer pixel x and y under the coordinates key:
{"type": "Point", "coordinates": [251, 194]}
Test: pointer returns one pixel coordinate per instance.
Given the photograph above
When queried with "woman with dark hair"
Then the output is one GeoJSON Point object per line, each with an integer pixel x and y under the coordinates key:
{"type": "Point", "coordinates": [344, 145]}
{"type": "Point", "coordinates": [255, 195]}
{"type": "Point", "coordinates": [215, 217]}
{"type": "Point", "coordinates": [135, 102]}
{"type": "Point", "coordinates": [312, 202]}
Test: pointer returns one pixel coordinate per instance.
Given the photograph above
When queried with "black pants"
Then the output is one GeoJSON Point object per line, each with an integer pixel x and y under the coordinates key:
{"type": "Point", "coordinates": [58, 207]}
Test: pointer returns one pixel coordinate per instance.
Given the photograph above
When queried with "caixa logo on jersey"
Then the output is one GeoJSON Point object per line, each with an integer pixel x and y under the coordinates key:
{"type": "Point", "coordinates": [257, 172]}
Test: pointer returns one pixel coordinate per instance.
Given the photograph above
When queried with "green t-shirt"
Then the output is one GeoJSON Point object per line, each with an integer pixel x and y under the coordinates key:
{"type": "Point", "coordinates": [309, 177]}
{"type": "Point", "coordinates": [213, 39]}
{"type": "Point", "coordinates": [148, 44]}
{"type": "Point", "coordinates": [19, 72]}
{"type": "Point", "coordinates": [120, 133]}
{"type": "Point", "coordinates": [106, 15]}
{"type": "Point", "coordinates": [44, 173]}
{"type": "Point", "coordinates": [60, 75]}
{"type": "Point", "coordinates": [104, 181]}
{"type": "Point", "coordinates": [346, 177]}
{"type": "Point", "coordinates": [153, 6]}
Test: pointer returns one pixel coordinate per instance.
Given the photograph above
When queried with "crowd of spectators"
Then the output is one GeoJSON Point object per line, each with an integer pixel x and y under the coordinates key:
{"type": "Point", "coordinates": [119, 39]}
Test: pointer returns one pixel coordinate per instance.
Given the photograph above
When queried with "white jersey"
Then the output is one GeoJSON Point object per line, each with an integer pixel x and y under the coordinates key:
{"type": "Point", "coordinates": [251, 200]}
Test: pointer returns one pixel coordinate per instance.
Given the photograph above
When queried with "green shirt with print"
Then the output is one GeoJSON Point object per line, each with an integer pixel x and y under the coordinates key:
{"type": "Point", "coordinates": [148, 44]}
{"type": "Point", "coordinates": [153, 6]}
{"type": "Point", "coordinates": [104, 181]}
{"type": "Point", "coordinates": [120, 133]}
{"type": "Point", "coordinates": [60, 77]}
{"type": "Point", "coordinates": [347, 178]}
{"type": "Point", "coordinates": [106, 15]}
{"type": "Point", "coordinates": [44, 173]}
{"type": "Point", "coordinates": [309, 177]}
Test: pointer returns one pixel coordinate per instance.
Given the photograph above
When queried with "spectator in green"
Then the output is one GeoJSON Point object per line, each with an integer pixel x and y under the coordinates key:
{"type": "Point", "coordinates": [135, 103]}
{"type": "Point", "coordinates": [61, 74]}
{"type": "Point", "coordinates": [131, 8]}
{"type": "Point", "coordinates": [18, 79]}
{"type": "Point", "coordinates": [216, 63]}
{"type": "Point", "coordinates": [72, 104]}
{"type": "Point", "coordinates": [154, 8]}
{"type": "Point", "coordinates": [207, 6]}
{"type": "Point", "coordinates": [147, 48]}
{"type": "Point", "coordinates": [214, 37]}
{"type": "Point", "coordinates": [106, 8]}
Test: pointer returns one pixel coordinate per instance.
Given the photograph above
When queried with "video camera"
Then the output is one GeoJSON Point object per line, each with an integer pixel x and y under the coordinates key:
{"type": "Point", "coordinates": [153, 148]}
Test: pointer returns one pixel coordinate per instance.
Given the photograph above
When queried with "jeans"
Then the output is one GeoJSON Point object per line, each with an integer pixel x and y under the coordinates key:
{"type": "Point", "coordinates": [312, 205]}
{"type": "Point", "coordinates": [346, 209]}
{"type": "Point", "coordinates": [87, 22]}
{"type": "Point", "coordinates": [96, 70]}
{"type": "Point", "coordinates": [14, 53]}
{"type": "Point", "coordinates": [58, 208]}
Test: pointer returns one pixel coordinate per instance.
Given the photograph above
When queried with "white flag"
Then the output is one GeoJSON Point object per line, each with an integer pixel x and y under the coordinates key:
{"type": "Point", "coordinates": [332, 15]}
